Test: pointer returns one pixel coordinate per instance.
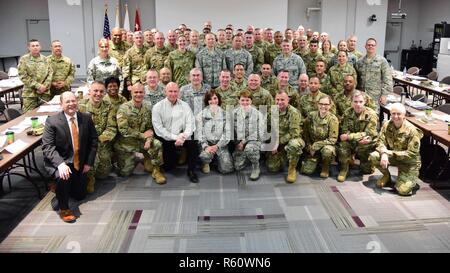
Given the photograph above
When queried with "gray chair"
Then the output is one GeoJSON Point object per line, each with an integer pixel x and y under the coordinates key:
{"type": "Point", "coordinates": [446, 80]}
{"type": "Point", "coordinates": [433, 76]}
{"type": "Point", "coordinates": [11, 114]}
{"type": "Point", "coordinates": [3, 75]}
{"type": "Point", "coordinates": [444, 108]}
{"type": "Point", "coordinates": [398, 89]}
{"type": "Point", "coordinates": [413, 70]}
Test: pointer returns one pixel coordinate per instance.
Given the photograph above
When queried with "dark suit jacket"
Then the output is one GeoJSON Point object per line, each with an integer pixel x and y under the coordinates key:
{"type": "Point", "coordinates": [57, 142]}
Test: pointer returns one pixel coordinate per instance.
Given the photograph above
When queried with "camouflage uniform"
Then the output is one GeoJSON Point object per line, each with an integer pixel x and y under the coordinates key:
{"type": "Point", "coordinates": [325, 84]}
{"type": "Point", "coordinates": [170, 47]}
{"type": "Point", "coordinates": [104, 118]}
{"type": "Point", "coordinates": [180, 64]}
{"type": "Point", "coordinates": [132, 122]}
{"type": "Point", "coordinates": [374, 77]}
{"type": "Point", "coordinates": [257, 57]}
{"type": "Point", "coordinates": [194, 50]}
{"type": "Point", "coordinates": [194, 97]}
{"type": "Point", "coordinates": [294, 64]}
{"type": "Point", "coordinates": [116, 102]}
{"type": "Point", "coordinates": [154, 96]}
{"type": "Point", "coordinates": [294, 96]}
{"type": "Point", "coordinates": [241, 56]}
{"type": "Point", "coordinates": [63, 70]}
{"type": "Point", "coordinates": [210, 63]}
{"type": "Point", "coordinates": [33, 72]}
{"type": "Point", "coordinates": [320, 135]}
{"type": "Point", "coordinates": [309, 103]}
{"type": "Point", "coordinates": [357, 127]}
{"type": "Point", "coordinates": [212, 130]}
{"type": "Point", "coordinates": [351, 60]}
{"type": "Point", "coordinates": [272, 51]}
{"type": "Point", "coordinates": [310, 60]}
{"type": "Point", "coordinates": [134, 66]}
{"type": "Point", "coordinates": [337, 74]}
{"type": "Point", "coordinates": [269, 82]}
{"type": "Point", "coordinates": [344, 101]}
{"type": "Point", "coordinates": [405, 145]}
{"type": "Point", "coordinates": [328, 57]}
{"type": "Point", "coordinates": [357, 54]}
{"type": "Point", "coordinates": [222, 48]}
{"type": "Point", "coordinates": [289, 138]}
{"type": "Point", "coordinates": [261, 45]}
{"type": "Point", "coordinates": [260, 97]}
{"type": "Point", "coordinates": [155, 58]}
{"type": "Point", "coordinates": [301, 52]}
{"type": "Point", "coordinates": [239, 85]}
{"type": "Point", "coordinates": [127, 45]}
{"type": "Point", "coordinates": [147, 46]}
{"type": "Point", "coordinates": [117, 51]}
{"type": "Point", "coordinates": [99, 69]}
{"type": "Point", "coordinates": [229, 97]}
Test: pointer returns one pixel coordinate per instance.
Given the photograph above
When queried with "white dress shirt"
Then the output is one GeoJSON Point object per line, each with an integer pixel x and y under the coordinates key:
{"type": "Point", "coordinates": [169, 120]}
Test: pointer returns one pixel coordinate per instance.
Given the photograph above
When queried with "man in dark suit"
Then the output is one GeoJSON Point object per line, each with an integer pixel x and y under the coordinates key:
{"type": "Point", "coordinates": [69, 145]}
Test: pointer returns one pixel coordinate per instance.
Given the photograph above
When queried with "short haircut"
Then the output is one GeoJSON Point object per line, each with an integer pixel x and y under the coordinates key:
{"type": "Point", "coordinates": [358, 93]}
{"type": "Point", "coordinates": [98, 82]}
{"type": "Point", "coordinates": [314, 42]}
{"type": "Point", "coordinates": [372, 39]}
{"type": "Point", "coordinates": [112, 79]}
{"type": "Point", "coordinates": [398, 106]}
{"type": "Point", "coordinates": [209, 95]}
{"type": "Point", "coordinates": [234, 67]}
{"type": "Point", "coordinates": [326, 97]}
{"type": "Point", "coordinates": [245, 94]}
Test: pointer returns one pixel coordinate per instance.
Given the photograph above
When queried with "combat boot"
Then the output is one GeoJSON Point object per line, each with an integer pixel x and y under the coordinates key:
{"type": "Point", "coordinates": [205, 168]}
{"type": "Point", "coordinates": [90, 183]}
{"type": "Point", "coordinates": [148, 166]}
{"type": "Point", "coordinates": [292, 172]}
{"type": "Point", "coordinates": [158, 176]}
{"type": "Point", "coordinates": [343, 172]}
{"type": "Point", "coordinates": [325, 169]}
{"type": "Point", "coordinates": [255, 171]}
{"type": "Point", "coordinates": [385, 180]}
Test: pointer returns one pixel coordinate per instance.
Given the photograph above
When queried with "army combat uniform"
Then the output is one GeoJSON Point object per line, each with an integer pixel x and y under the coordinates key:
{"type": "Point", "coordinates": [272, 51]}
{"type": "Point", "coordinates": [293, 64]}
{"type": "Point", "coordinates": [117, 51]}
{"type": "Point", "coordinates": [154, 96]}
{"type": "Point", "coordinates": [63, 70]}
{"type": "Point", "coordinates": [310, 60]}
{"type": "Point", "coordinates": [344, 101]}
{"type": "Point", "coordinates": [320, 136]}
{"type": "Point", "coordinates": [194, 97]}
{"type": "Point", "coordinates": [229, 97]}
{"type": "Point", "coordinates": [132, 122]}
{"type": "Point", "coordinates": [34, 71]}
{"type": "Point", "coordinates": [99, 69]}
{"type": "Point", "coordinates": [357, 127]}
{"type": "Point", "coordinates": [404, 143]}
{"type": "Point", "coordinates": [257, 57]}
{"type": "Point", "coordinates": [290, 143]}
{"type": "Point", "coordinates": [155, 58]}
{"type": "Point", "coordinates": [309, 103]}
{"type": "Point", "coordinates": [212, 130]}
{"type": "Point", "coordinates": [134, 67]}
{"type": "Point", "coordinates": [211, 63]}
{"type": "Point", "coordinates": [116, 102]}
{"type": "Point", "coordinates": [242, 56]}
{"type": "Point", "coordinates": [337, 74]}
{"type": "Point", "coordinates": [180, 64]}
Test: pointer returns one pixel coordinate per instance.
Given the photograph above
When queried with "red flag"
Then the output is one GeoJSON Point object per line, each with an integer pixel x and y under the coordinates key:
{"type": "Point", "coordinates": [137, 22]}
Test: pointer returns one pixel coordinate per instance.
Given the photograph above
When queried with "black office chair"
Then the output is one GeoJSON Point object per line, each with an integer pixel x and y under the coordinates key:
{"type": "Point", "coordinates": [446, 80]}
{"type": "Point", "coordinates": [444, 108]}
{"type": "Point", "coordinates": [11, 114]}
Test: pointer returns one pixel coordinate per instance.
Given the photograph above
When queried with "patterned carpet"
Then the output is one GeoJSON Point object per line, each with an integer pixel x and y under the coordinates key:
{"type": "Point", "coordinates": [233, 214]}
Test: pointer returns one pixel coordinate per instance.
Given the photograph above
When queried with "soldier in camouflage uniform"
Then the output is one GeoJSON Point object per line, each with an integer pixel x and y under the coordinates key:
{"type": "Point", "coordinates": [288, 142]}
{"type": "Point", "coordinates": [157, 55]}
{"type": "Point", "coordinates": [343, 99]}
{"type": "Point", "coordinates": [63, 70]}
{"type": "Point", "coordinates": [273, 50]}
{"type": "Point", "coordinates": [327, 54]}
{"type": "Point", "coordinates": [222, 44]}
{"type": "Point", "coordinates": [290, 62]}
{"type": "Point", "coordinates": [116, 46]}
{"type": "Point", "coordinates": [325, 85]}
{"type": "Point", "coordinates": [134, 121]}
{"type": "Point", "coordinates": [309, 103]}
{"type": "Point", "coordinates": [339, 71]}
{"type": "Point", "coordinates": [256, 52]}
{"type": "Point", "coordinates": [148, 39]}
{"type": "Point", "coordinates": [134, 66]}
{"type": "Point", "coordinates": [260, 96]}
{"type": "Point", "coordinates": [104, 118]}
{"type": "Point", "coordinates": [210, 61]}
{"type": "Point", "coordinates": [358, 136]}
{"type": "Point", "coordinates": [194, 93]}
{"type": "Point", "coordinates": [374, 74]}
{"type": "Point", "coordinates": [165, 76]}
{"type": "Point", "coordinates": [154, 92]}
{"type": "Point", "coordinates": [36, 74]}
{"type": "Point", "coordinates": [398, 145]}
{"type": "Point", "coordinates": [228, 95]}
{"type": "Point", "coordinates": [312, 57]}
{"type": "Point", "coordinates": [103, 66]}
{"type": "Point", "coordinates": [302, 49]}
{"type": "Point", "coordinates": [351, 58]}
{"type": "Point", "coordinates": [259, 42]}
{"type": "Point", "coordinates": [112, 87]}
{"type": "Point", "coordinates": [238, 55]}
{"type": "Point", "coordinates": [267, 77]}
{"type": "Point", "coordinates": [283, 85]}
{"type": "Point", "coordinates": [129, 41]}
{"type": "Point", "coordinates": [351, 44]}
{"type": "Point", "coordinates": [180, 62]}
{"type": "Point", "coordinates": [320, 132]}
{"type": "Point", "coordinates": [303, 85]}
{"type": "Point", "coordinates": [213, 135]}
{"type": "Point", "coordinates": [247, 141]}
{"type": "Point", "coordinates": [239, 81]}
{"type": "Point", "coordinates": [172, 38]}
{"type": "Point", "coordinates": [194, 44]}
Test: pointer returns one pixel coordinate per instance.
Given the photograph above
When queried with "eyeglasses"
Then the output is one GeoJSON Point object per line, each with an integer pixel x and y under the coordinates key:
{"type": "Point", "coordinates": [371, 45]}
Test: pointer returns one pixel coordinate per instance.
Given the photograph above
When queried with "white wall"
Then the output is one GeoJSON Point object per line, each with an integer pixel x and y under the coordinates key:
{"type": "Point", "coordinates": [431, 12]}
{"type": "Point", "coordinates": [297, 14]}
{"type": "Point", "coordinates": [13, 30]}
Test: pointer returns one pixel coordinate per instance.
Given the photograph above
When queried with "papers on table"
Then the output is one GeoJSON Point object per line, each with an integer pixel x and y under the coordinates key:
{"type": "Point", "coordinates": [25, 124]}
{"type": "Point", "coordinates": [417, 104]}
{"type": "Point", "coordinates": [2, 142]}
{"type": "Point", "coordinates": [16, 147]}
{"type": "Point", "coordinates": [393, 98]}
{"type": "Point", "coordinates": [49, 108]}
{"type": "Point", "coordinates": [9, 83]}
{"type": "Point", "coordinates": [442, 117]}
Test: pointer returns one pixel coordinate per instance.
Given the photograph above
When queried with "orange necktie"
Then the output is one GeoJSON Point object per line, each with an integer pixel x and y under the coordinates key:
{"type": "Point", "coordinates": [76, 147]}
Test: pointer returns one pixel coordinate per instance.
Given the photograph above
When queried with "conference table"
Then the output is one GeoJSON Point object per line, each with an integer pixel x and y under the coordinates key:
{"type": "Point", "coordinates": [8, 88]}
{"type": "Point", "coordinates": [24, 156]}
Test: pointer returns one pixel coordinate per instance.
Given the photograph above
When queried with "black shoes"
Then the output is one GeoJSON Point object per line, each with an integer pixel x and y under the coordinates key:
{"type": "Point", "coordinates": [192, 176]}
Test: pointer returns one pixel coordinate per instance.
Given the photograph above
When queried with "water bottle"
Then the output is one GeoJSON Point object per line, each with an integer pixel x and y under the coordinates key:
{"type": "Point", "coordinates": [404, 71]}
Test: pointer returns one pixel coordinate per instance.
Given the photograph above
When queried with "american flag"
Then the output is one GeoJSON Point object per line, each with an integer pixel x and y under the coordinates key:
{"type": "Point", "coordinates": [106, 31]}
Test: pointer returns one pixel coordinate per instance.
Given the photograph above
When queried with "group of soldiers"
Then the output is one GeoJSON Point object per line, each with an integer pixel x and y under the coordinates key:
{"type": "Point", "coordinates": [250, 93]}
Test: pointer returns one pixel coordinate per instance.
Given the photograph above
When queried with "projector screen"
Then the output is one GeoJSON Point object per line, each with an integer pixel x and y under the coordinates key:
{"type": "Point", "coordinates": [240, 13]}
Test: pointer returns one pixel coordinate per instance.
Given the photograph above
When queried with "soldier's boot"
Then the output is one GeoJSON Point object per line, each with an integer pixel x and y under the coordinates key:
{"type": "Point", "coordinates": [158, 176]}
{"type": "Point", "coordinates": [385, 180]}
{"type": "Point", "coordinates": [90, 183]}
{"type": "Point", "coordinates": [183, 157]}
{"type": "Point", "coordinates": [343, 172]}
{"type": "Point", "coordinates": [255, 171]}
{"type": "Point", "coordinates": [325, 169]}
{"type": "Point", "coordinates": [205, 168]}
{"type": "Point", "coordinates": [292, 172]}
{"type": "Point", "coordinates": [148, 166]}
